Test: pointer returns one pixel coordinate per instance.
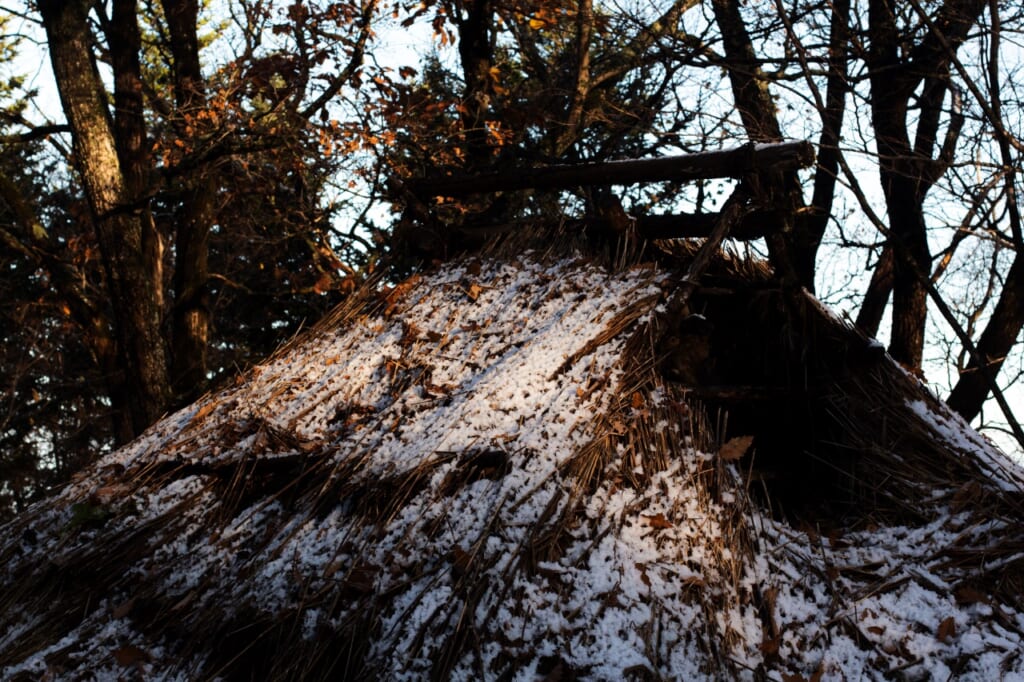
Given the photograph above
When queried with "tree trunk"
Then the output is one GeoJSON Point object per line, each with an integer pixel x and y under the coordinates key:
{"type": "Point", "coordinates": [869, 319]}
{"type": "Point", "coordinates": [809, 231]}
{"type": "Point", "coordinates": [118, 223]}
{"type": "Point", "coordinates": [191, 311]}
{"type": "Point", "coordinates": [908, 172]}
{"type": "Point", "coordinates": [476, 57]}
{"type": "Point", "coordinates": [1000, 335]}
{"type": "Point", "coordinates": [125, 43]}
{"type": "Point", "coordinates": [891, 88]}
{"type": "Point", "coordinates": [756, 107]}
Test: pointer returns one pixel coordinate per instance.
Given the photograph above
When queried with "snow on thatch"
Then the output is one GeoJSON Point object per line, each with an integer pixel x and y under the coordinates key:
{"type": "Point", "coordinates": [482, 474]}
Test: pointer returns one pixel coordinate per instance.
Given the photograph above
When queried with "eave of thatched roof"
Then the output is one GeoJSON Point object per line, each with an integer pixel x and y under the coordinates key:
{"type": "Point", "coordinates": [482, 473]}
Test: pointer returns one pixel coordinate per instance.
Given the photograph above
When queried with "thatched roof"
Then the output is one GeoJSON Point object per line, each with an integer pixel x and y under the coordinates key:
{"type": "Point", "coordinates": [484, 473]}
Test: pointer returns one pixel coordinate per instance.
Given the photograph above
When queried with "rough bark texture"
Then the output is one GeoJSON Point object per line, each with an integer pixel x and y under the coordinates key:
{"type": "Point", "coordinates": [749, 86]}
{"type": "Point", "coordinates": [191, 311]}
{"type": "Point", "coordinates": [118, 225]}
{"type": "Point", "coordinates": [900, 185]}
{"type": "Point", "coordinates": [777, 187]}
{"type": "Point", "coordinates": [125, 41]}
{"type": "Point", "coordinates": [908, 171]}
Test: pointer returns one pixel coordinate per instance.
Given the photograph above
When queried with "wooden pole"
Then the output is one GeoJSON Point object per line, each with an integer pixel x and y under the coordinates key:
{"type": "Point", "coordinates": [731, 163]}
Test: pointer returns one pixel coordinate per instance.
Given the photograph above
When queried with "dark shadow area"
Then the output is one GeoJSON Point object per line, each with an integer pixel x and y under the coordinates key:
{"type": "Point", "coordinates": [773, 365]}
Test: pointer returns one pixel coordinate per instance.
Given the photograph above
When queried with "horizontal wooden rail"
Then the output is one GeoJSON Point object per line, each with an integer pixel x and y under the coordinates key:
{"type": "Point", "coordinates": [730, 163]}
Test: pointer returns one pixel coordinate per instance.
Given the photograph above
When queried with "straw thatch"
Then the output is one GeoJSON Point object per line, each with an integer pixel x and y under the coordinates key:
{"type": "Point", "coordinates": [538, 468]}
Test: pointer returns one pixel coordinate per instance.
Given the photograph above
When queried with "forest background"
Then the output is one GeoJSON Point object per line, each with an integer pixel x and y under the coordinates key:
{"type": "Point", "coordinates": [185, 184]}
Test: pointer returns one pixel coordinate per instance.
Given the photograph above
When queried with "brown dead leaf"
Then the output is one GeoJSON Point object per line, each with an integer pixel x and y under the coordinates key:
{"type": "Point", "coordinates": [637, 400]}
{"type": "Point", "coordinates": [129, 656]}
{"type": "Point", "coordinates": [434, 337]}
{"type": "Point", "coordinates": [966, 594]}
{"type": "Point", "coordinates": [394, 297]}
{"type": "Point", "coordinates": [643, 574]}
{"type": "Point", "coordinates": [202, 412]}
{"type": "Point", "coordinates": [946, 630]}
{"type": "Point", "coordinates": [122, 610]}
{"type": "Point", "coordinates": [735, 448]}
{"type": "Point", "coordinates": [657, 521]}
{"type": "Point", "coordinates": [410, 333]}
{"type": "Point", "coordinates": [473, 291]}
{"type": "Point", "coordinates": [694, 581]}
{"type": "Point", "coordinates": [770, 645]}
{"type": "Point", "coordinates": [461, 562]}
{"type": "Point", "coordinates": [393, 366]}
{"type": "Point", "coordinates": [108, 493]}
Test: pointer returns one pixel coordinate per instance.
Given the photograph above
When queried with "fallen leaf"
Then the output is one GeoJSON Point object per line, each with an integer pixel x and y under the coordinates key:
{"type": "Point", "coordinates": [968, 595]}
{"type": "Point", "coordinates": [202, 412]}
{"type": "Point", "coordinates": [109, 493]}
{"type": "Point", "coordinates": [394, 297]}
{"type": "Point", "coordinates": [461, 562]}
{"type": "Point", "coordinates": [770, 645]}
{"type": "Point", "coordinates": [734, 448]}
{"type": "Point", "coordinates": [638, 400]}
{"type": "Point", "coordinates": [657, 521]}
{"type": "Point", "coordinates": [946, 630]}
{"type": "Point", "coordinates": [410, 332]}
{"type": "Point", "coordinates": [473, 291]}
{"type": "Point", "coordinates": [130, 655]}
{"type": "Point", "coordinates": [122, 610]}
{"type": "Point", "coordinates": [643, 574]}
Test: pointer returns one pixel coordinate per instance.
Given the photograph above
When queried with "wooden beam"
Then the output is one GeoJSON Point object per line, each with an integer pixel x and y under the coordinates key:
{"type": "Point", "coordinates": [731, 163]}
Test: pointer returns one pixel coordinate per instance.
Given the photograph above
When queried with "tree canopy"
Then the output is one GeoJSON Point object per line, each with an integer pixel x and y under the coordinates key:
{"type": "Point", "coordinates": [220, 173]}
